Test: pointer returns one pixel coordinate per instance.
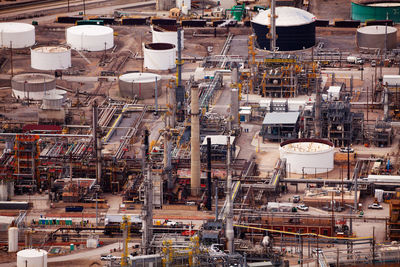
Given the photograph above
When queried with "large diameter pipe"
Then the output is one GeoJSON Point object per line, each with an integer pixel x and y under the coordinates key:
{"type": "Point", "coordinates": [209, 184]}
{"type": "Point", "coordinates": [195, 143]}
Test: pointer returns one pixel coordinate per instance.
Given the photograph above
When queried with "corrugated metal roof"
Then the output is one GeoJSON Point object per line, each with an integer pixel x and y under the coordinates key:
{"type": "Point", "coordinates": [218, 140]}
{"type": "Point", "coordinates": [281, 118]}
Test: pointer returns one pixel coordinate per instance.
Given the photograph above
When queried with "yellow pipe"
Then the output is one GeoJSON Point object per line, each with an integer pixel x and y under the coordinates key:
{"type": "Point", "coordinates": [305, 234]}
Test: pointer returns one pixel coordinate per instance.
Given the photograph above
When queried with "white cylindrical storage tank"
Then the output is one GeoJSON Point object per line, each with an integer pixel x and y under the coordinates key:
{"type": "Point", "coordinates": [32, 258]}
{"type": "Point", "coordinates": [308, 156]}
{"type": "Point", "coordinates": [12, 239]}
{"type": "Point", "coordinates": [51, 57]}
{"type": "Point", "coordinates": [32, 85]}
{"type": "Point", "coordinates": [17, 35]}
{"type": "Point", "coordinates": [186, 3]}
{"type": "Point", "coordinates": [376, 36]}
{"type": "Point", "coordinates": [167, 34]}
{"type": "Point", "coordinates": [60, 92]}
{"type": "Point", "coordinates": [159, 56]}
{"type": "Point", "coordinates": [141, 85]}
{"type": "Point", "coordinates": [52, 101]}
{"type": "Point", "coordinates": [90, 37]}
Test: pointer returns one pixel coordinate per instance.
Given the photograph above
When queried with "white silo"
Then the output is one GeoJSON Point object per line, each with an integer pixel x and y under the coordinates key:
{"type": "Point", "coordinates": [32, 258]}
{"type": "Point", "coordinates": [159, 56]}
{"type": "Point", "coordinates": [52, 102]}
{"type": "Point", "coordinates": [90, 37]}
{"type": "Point", "coordinates": [12, 239]}
{"type": "Point", "coordinates": [3, 191]}
{"type": "Point", "coordinates": [17, 35]}
{"type": "Point", "coordinates": [60, 92]}
{"type": "Point", "coordinates": [32, 85]}
{"type": "Point", "coordinates": [51, 57]}
{"type": "Point", "coordinates": [140, 85]}
{"type": "Point", "coordinates": [308, 156]}
{"type": "Point", "coordinates": [166, 34]}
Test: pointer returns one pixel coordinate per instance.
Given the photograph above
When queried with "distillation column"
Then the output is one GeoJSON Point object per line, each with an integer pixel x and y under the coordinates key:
{"type": "Point", "coordinates": [195, 143]}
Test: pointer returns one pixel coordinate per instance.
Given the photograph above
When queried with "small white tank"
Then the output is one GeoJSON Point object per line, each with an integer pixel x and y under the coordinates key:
{"type": "Point", "coordinates": [51, 57]}
{"type": "Point", "coordinates": [12, 239]}
{"type": "Point", "coordinates": [60, 92]}
{"type": "Point", "coordinates": [159, 56]}
{"type": "Point", "coordinates": [32, 258]}
{"type": "Point", "coordinates": [308, 156]}
{"type": "Point", "coordinates": [3, 191]}
{"type": "Point", "coordinates": [52, 101]}
{"type": "Point", "coordinates": [166, 34]}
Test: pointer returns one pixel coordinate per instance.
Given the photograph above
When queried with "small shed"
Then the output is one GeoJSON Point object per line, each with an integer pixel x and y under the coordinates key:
{"type": "Point", "coordinates": [280, 126]}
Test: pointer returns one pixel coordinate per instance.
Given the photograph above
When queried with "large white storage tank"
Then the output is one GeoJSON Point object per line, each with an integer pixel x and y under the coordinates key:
{"type": "Point", "coordinates": [32, 85]}
{"type": "Point", "coordinates": [166, 34]}
{"type": "Point", "coordinates": [308, 156]}
{"type": "Point", "coordinates": [141, 85]}
{"type": "Point", "coordinates": [12, 239]}
{"type": "Point", "coordinates": [32, 258]}
{"type": "Point", "coordinates": [159, 56]}
{"type": "Point", "coordinates": [17, 35]}
{"type": "Point", "coordinates": [51, 57]}
{"type": "Point", "coordinates": [90, 37]}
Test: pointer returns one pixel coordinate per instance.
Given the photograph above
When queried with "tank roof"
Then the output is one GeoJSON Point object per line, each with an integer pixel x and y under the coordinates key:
{"type": "Point", "coordinates": [33, 78]}
{"type": "Point", "coordinates": [13, 27]}
{"type": "Point", "coordinates": [377, 29]}
{"type": "Point", "coordinates": [90, 30]}
{"type": "Point", "coordinates": [286, 16]}
{"type": "Point", "coordinates": [27, 253]}
{"type": "Point", "coordinates": [140, 77]}
{"type": "Point", "coordinates": [51, 49]}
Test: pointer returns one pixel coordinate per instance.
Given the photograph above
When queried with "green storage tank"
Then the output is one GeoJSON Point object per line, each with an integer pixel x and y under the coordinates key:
{"type": "Point", "coordinates": [375, 10]}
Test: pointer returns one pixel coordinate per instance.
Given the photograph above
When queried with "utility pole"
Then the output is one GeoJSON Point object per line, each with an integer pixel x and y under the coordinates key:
{"type": "Point", "coordinates": [84, 8]}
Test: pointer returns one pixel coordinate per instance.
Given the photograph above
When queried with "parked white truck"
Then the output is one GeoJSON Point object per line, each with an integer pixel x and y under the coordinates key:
{"type": "Point", "coordinates": [354, 60]}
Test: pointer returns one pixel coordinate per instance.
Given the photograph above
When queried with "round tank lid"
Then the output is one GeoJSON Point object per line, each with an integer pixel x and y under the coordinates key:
{"type": "Point", "coordinates": [139, 77]}
{"type": "Point", "coordinates": [53, 97]}
{"type": "Point", "coordinates": [31, 253]}
{"type": "Point", "coordinates": [90, 30]}
{"type": "Point", "coordinates": [33, 78]}
{"type": "Point", "coordinates": [13, 27]}
{"type": "Point", "coordinates": [58, 92]}
{"type": "Point", "coordinates": [385, 4]}
{"type": "Point", "coordinates": [159, 46]}
{"type": "Point", "coordinates": [51, 49]}
{"type": "Point", "coordinates": [286, 16]}
{"type": "Point", "coordinates": [377, 29]}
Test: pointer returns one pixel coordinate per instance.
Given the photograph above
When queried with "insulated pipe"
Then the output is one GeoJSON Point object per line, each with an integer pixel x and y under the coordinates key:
{"type": "Point", "coordinates": [209, 184]}
{"type": "Point", "coordinates": [195, 143]}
